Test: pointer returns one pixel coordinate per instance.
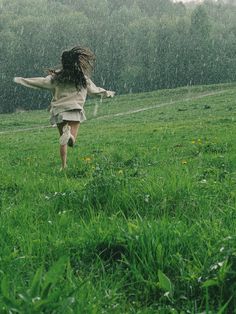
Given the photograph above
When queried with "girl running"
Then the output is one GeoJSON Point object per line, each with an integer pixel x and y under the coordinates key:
{"type": "Point", "coordinates": [70, 86]}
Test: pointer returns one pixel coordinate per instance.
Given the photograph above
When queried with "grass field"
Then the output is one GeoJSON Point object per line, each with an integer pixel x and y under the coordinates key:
{"type": "Point", "coordinates": [143, 220]}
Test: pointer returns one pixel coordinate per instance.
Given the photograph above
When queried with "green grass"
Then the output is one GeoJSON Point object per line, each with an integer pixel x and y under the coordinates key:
{"type": "Point", "coordinates": [143, 220]}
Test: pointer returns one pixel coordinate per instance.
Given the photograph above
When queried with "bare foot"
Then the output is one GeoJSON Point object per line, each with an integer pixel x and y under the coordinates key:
{"type": "Point", "coordinates": [63, 169]}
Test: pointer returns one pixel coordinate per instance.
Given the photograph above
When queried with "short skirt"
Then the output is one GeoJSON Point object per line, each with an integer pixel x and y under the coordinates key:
{"type": "Point", "coordinates": [70, 115]}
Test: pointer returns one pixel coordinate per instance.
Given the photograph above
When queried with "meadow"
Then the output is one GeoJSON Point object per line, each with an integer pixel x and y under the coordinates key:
{"type": "Point", "coordinates": [142, 221]}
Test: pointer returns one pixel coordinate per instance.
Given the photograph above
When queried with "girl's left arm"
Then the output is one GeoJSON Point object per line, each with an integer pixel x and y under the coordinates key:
{"type": "Point", "coordinates": [98, 91]}
{"type": "Point", "coordinates": [35, 82]}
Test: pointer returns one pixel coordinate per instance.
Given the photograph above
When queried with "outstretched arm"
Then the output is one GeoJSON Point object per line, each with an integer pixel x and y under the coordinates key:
{"type": "Point", "coordinates": [94, 90]}
{"type": "Point", "coordinates": [35, 82]}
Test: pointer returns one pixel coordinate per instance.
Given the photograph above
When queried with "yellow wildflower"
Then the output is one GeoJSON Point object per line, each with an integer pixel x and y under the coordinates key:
{"type": "Point", "coordinates": [87, 159]}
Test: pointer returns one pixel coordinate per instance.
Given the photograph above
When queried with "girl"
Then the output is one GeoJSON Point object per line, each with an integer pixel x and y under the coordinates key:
{"type": "Point", "coordinates": [69, 87]}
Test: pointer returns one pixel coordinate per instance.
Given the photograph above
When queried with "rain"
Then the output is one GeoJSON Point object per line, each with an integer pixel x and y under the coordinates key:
{"type": "Point", "coordinates": [117, 156]}
{"type": "Point", "coordinates": [139, 45]}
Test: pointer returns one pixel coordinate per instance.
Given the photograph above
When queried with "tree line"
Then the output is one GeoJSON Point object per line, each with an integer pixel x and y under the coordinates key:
{"type": "Point", "coordinates": [140, 45]}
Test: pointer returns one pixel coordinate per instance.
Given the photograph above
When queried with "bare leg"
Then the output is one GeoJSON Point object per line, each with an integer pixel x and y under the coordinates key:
{"type": "Point", "coordinates": [74, 129]}
{"type": "Point", "coordinates": [63, 148]}
{"type": "Point", "coordinates": [63, 154]}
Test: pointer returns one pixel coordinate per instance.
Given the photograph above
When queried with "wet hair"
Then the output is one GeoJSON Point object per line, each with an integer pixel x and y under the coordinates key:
{"type": "Point", "coordinates": [76, 64]}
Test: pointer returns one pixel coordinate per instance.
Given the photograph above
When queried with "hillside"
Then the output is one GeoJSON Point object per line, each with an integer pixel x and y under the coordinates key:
{"type": "Point", "coordinates": [143, 220]}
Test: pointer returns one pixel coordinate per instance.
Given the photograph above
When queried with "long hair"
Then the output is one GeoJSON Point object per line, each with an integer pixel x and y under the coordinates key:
{"type": "Point", "coordinates": [76, 64]}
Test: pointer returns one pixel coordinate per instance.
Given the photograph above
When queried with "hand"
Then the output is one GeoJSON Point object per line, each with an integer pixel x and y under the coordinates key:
{"type": "Point", "coordinates": [110, 93]}
{"type": "Point", "coordinates": [17, 79]}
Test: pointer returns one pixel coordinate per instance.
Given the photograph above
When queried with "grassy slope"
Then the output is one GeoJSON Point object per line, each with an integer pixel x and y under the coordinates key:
{"type": "Point", "coordinates": [146, 194]}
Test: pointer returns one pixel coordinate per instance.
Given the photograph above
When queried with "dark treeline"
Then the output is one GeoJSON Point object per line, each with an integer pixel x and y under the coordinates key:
{"type": "Point", "coordinates": [141, 45]}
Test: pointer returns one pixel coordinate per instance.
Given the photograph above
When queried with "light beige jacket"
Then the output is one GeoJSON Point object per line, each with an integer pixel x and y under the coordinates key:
{"type": "Point", "coordinates": [65, 96]}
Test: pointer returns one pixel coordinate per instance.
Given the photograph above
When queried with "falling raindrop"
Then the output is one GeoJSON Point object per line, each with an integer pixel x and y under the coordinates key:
{"type": "Point", "coordinates": [22, 30]}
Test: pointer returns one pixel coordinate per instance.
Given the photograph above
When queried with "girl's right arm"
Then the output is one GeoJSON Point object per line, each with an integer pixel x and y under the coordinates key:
{"type": "Point", "coordinates": [35, 82]}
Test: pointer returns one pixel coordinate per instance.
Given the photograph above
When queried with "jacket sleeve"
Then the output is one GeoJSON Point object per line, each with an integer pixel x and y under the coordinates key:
{"type": "Point", "coordinates": [35, 82]}
{"type": "Point", "coordinates": [98, 91]}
